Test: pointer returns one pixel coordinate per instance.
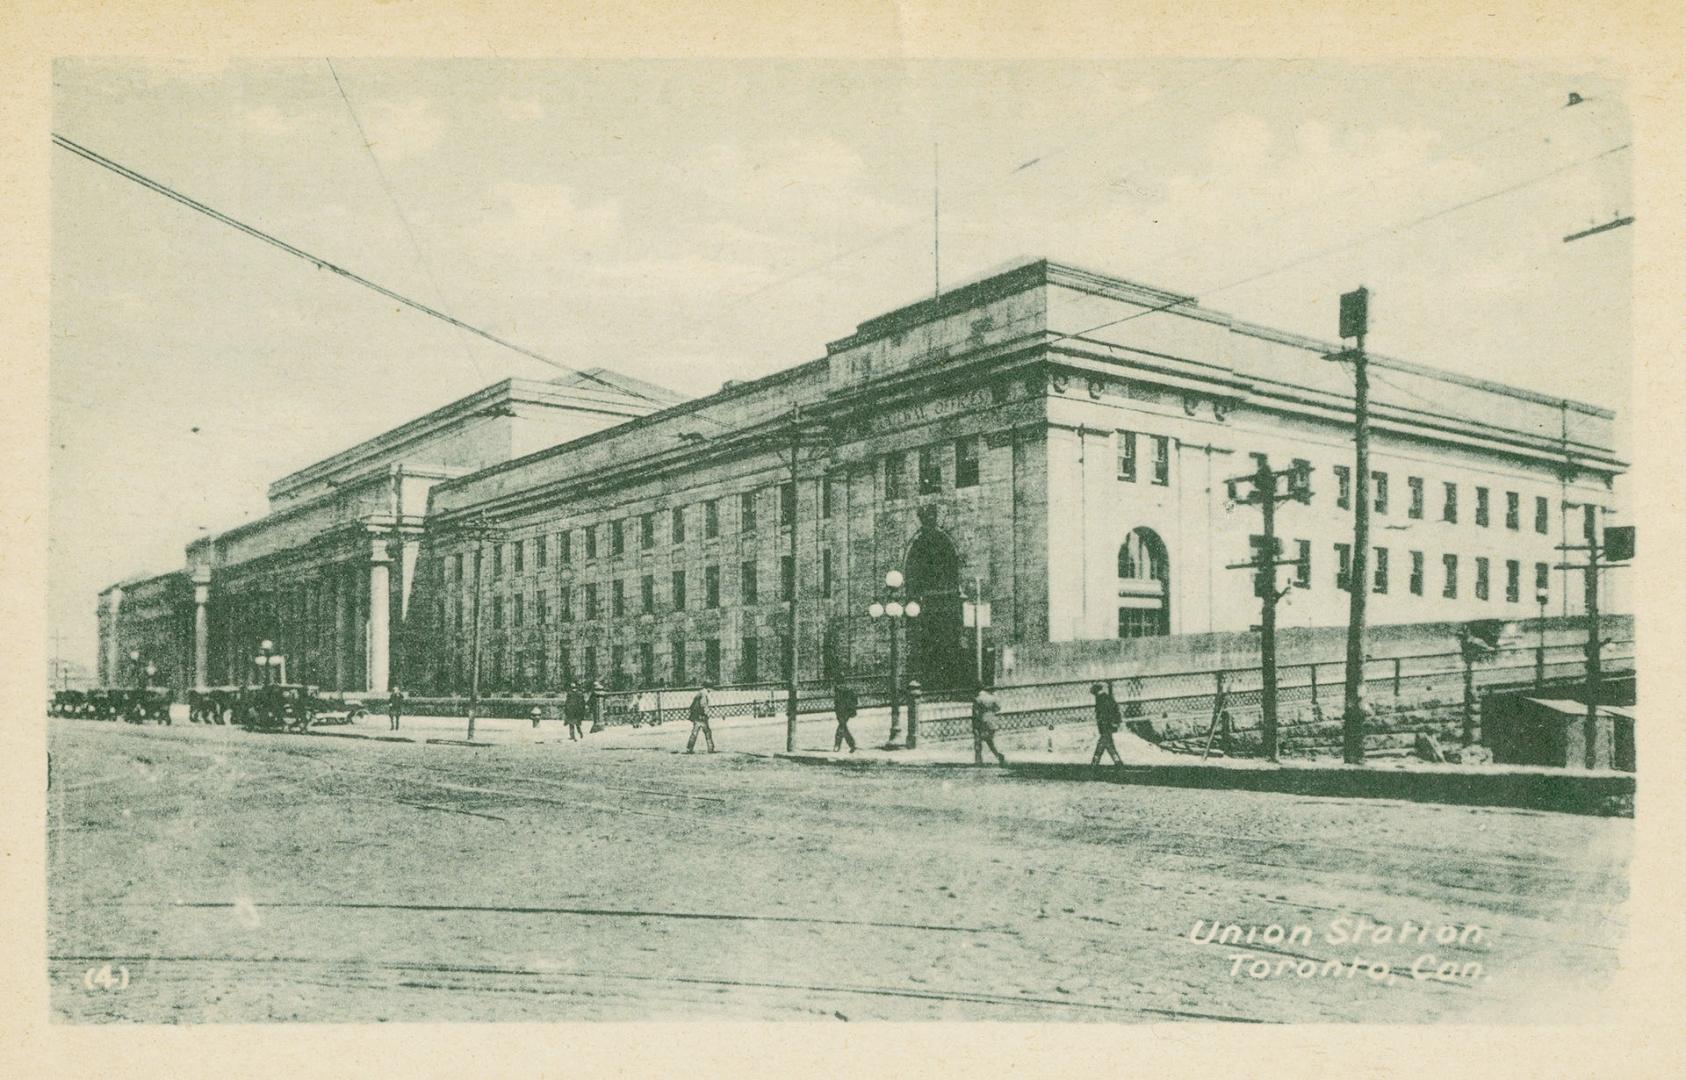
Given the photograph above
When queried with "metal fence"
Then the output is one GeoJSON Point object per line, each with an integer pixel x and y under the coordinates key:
{"type": "Point", "coordinates": [1181, 708]}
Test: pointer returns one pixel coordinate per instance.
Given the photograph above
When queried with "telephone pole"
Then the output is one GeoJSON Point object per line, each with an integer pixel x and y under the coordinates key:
{"type": "Point", "coordinates": [1611, 552]}
{"type": "Point", "coordinates": [795, 579]}
{"type": "Point", "coordinates": [1266, 558]}
{"type": "Point", "coordinates": [1354, 323]}
{"type": "Point", "coordinates": [480, 531]}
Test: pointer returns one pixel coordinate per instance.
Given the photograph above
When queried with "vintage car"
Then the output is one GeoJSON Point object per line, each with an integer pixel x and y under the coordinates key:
{"type": "Point", "coordinates": [139, 706]}
{"type": "Point", "coordinates": [276, 707]}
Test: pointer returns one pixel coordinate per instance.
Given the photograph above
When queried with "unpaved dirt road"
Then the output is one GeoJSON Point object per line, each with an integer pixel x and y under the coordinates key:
{"type": "Point", "coordinates": [212, 875]}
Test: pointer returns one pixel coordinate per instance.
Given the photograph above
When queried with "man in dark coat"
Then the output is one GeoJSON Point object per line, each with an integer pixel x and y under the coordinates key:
{"type": "Point", "coordinates": [699, 721]}
{"type": "Point", "coordinates": [574, 712]}
{"type": "Point", "coordinates": [1107, 722]}
{"type": "Point", "coordinates": [846, 705]}
{"type": "Point", "coordinates": [395, 708]}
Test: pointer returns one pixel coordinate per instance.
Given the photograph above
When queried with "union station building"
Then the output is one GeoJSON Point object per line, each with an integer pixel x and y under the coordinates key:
{"type": "Point", "coordinates": [1049, 440]}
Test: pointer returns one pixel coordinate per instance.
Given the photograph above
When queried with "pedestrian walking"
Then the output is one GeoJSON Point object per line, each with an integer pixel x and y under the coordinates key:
{"type": "Point", "coordinates": [845, 704]}
{"type": "Point", "coordinates": [985, 711]}
{"type": "Point", "coordinates": [1107, 722]}
{"type": "Point", "coordinates": [699, 721]}
{"type": "Point", "coordinates": [574, 711]}
{"type": "Point", "coordinates": [395, 708]}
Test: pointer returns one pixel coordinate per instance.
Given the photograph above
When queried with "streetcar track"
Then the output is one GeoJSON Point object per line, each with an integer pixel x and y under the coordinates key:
{"type": "Point", "coordinates": [360, 966]}
{"type": "Point", "coordinates": [519, 909]}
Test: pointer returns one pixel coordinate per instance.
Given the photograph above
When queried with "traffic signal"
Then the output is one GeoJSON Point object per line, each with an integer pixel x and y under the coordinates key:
{"type": "Point", "coordinates": [1355, 313]}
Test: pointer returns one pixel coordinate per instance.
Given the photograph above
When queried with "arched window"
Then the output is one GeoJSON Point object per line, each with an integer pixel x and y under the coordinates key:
{"type": "Point", "coordinates": [1144, 575]}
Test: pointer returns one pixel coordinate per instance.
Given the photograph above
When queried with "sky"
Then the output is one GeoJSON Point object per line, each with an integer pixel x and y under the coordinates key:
{"type": "Point", "coordinates": [690, 222]}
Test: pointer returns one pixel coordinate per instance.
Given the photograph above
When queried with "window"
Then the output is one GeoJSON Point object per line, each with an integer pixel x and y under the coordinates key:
{"type": "Point", "coordinates": [456, 570]}
{"type": "Point", "coordinates": [565, 605]}
{"type": "Point", "coordinates": [1450, 510]}
{"type": "Point", "coordinates": [1481, 507]}
{"type": "Point", "coordinates": [520, 556]}
{"type": "Point", "coordinates": [930, 471]}
{"type": "Point", "coordinates": [617, 598]}
{"type": "Point", "coordinates": [647, 595]}
{"type": "Point", "coordinates": [825, 574]}
{"type": "Point", "coordinates": [787, 505]}
{"type": "Point", "coordinates": [1542, 514]}
{"type": "Point", "coordinates": [1379, 479]}
{"type": "Point", "coordinates": [746, 512]}
{"type": "Point", "coordinates": [518, 615]}
{"type": "Point", "coordinates": [617, 665]}
{"type": "Point", "coordinates": [1416, 573]}
{"type": "Point", "coordinates": [591, 541]}
{"type": "Point", "coordinates": [647, 530]}
{"type": "Point", "coordinates": [966, 462]}
{"type": "Point", "coordinates": [1302, 564]}
{"type": "Point", "coordinates": [679, 590]}
{"type": "Point", "coordinates": [1542, 582]}
{"type": "Point", "coordinates": [895, 474]}
{"type": "Point", "coordinates": [497, 559]}
{"type": "Point", "coordinates": [1161, 460]}
{"type": "Point", "coordinates": [1127, 456]}
{"type": "Point", "coordinates": [711, 659]}
{"type": "Point", "coordinates": [592, 608]}
{"type": "Point", "coordinates": [565, 665]}
{"type": "Point", "coordinates": [459, 614]}
{"type": "Point", "coordinates": [1379, 575]}
{"type": "Point", "coordinates": [1450, 589]}
{"type": "Point", "coordinates": [541, 550]}
{"type": "Point", "coordinates": [1343, 566]}
{"type": "Point", "coordinates": [678, 525]}
{"type": "Point", "coordinates": [1140, 622]}
{"type": "Point", "coordinates": [787, 578]}
{"type": "Point", "coordinates": [826, 508]}
{"type": "Point", "coordinates": [749, 585]}
{"type": "Point", "coordinates": [1513, 510]}
{"type": "Point", "coordinates": [565, 547]}
{"type": "Point", "coordinates": [1343, 487]}
{"type": "Point", "coordinates": [1481, 577]}
{"type": "Point", "coordinates": [676, 661]}
{"type": "Point", "coordinates": [617, 538]}
{"type": "Point", "coordinates": [1513, 581]}
{"type": "Point", "coordinates": [591, 663]}
{"type": "Point", "coordinates": [711, 586]}
{"type": "Point", "coordinates": [711, 519]}
{"type": "Point", "coordinates": [749, 663]}
{"type": "Point", "coordinates": [497, 613]}
{"type": "Point", "coordinates": [646, 663]}
{"type": "Point", "coordinates": [1415, 484]}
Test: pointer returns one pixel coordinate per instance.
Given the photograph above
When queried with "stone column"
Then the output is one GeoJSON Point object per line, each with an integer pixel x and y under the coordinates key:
{"type": "Point", "coordinates": [201, 634]}
{"type": "Point", "coordinates": [341, 668]}
{"type": "Point", "coordinates": [380, 618]}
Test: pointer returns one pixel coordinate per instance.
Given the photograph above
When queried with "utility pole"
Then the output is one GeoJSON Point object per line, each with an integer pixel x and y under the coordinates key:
{"type": "Point", "coordinates": [978, 625]}
{"type": "Point", "coordinates": [1354, 323]}
{"type": "Point", "coordinates": [795, 579]}
{"type": "Point", "coordinates": [480, 531]}
{"type": "Point", "coordinates": [1616, 552]}
{"type": "Point", "coordinates": [1266, 558]}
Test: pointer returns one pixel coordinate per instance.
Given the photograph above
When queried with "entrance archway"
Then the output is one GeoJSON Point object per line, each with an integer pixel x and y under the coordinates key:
{"type": "Point", "coordinates": [1144, 586]}
{"type": "Point", "coordinates": [936, 653]}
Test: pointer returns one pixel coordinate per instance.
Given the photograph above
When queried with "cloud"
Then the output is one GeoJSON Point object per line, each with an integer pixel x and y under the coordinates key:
{"type": "Point", "coordinates": [271, 121]}
{"type": "Point", "coordinates": [520, 110]}
{"type": "Point", "coordinates": [402, 129]}
{"type": "Point", "coordinates": [537, 216]}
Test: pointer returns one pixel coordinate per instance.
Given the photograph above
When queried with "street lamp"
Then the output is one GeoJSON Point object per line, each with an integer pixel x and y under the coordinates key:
{"type": "Point", "coordinates": [891, 608]}
{"type": "Point", "coordinates": [1541, 596]}
{"type": "Point", "coordinates": [134, 659]}
{"type": "Point", "coordinates": [266, 648]}
{"type": "Point", "coordinates": [151, 670]}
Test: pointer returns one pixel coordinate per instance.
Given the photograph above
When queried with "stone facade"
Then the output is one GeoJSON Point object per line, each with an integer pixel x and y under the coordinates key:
{"type": "Point", "coordinates": [1056, 440]}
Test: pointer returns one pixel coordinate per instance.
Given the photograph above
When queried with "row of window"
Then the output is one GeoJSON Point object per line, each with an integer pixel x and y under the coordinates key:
{"type": "Point", "coordinates": [515, 607]}
{"type": "Point", "coordinates": [929, 472]}
{"type": "Point", "coordinates": [503, 671]}
{"type": "Point", "coordinates": [1126, 442]}
{"type": "Point", "coordinates": [512, 555]}
{"type": "Point", "coordinates": [1449, 501]}
{"type": "Point", "coordinates": [1450, 573]}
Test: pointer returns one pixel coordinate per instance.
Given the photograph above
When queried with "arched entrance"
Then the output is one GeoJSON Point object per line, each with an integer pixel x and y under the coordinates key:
{"type": "Point", "coordinates": [1144, 586]}
{"type": "Point", "coordinates": [936, 649]}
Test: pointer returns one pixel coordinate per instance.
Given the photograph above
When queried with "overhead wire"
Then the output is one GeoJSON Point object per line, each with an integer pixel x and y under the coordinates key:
{"type": "Point", "coordinates": [391, 197]}
{"type": "Point", "coordinates": [324, 264]}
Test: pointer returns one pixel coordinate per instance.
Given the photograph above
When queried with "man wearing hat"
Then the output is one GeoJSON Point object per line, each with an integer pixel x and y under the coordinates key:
{"type": "Point", "coordinates": [1107, 721]}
